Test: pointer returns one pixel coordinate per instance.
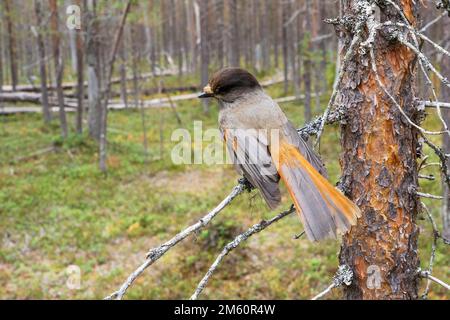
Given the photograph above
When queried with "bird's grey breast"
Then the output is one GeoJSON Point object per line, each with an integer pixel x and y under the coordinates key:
{"type": "Point", "coordinates": [254, 111]}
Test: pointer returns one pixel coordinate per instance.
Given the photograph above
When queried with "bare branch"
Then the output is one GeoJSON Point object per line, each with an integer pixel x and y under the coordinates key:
{"type": "Point", "coordinates": [427, 177]}
{"type": "Point", "coordinates": [432, 22]}
{"type": "Point", "coordinates": [426, 274]}
{"type": "Point", "coordinates": [425, 60]}
{"type": "Point", "coordinates": [156, 253]}
{"type": "Point", "coordinates": [233, 244]}
{"type": "Point", "coordinates": [433, 248]}
{"type": "Point", "coordinates": [435, 104]}
{"type": "Point", "coordinates": [344, 275]}
{"type": "Point", "coordinates": [429, 196]}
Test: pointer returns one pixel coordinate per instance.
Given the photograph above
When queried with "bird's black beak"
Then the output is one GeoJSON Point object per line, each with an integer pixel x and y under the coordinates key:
{"type": "Point", "coordinates": [207, 93]}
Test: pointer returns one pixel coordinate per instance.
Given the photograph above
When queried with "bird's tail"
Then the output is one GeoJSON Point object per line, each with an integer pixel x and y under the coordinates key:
{"type": "Point", "coordinates": [323, 209]}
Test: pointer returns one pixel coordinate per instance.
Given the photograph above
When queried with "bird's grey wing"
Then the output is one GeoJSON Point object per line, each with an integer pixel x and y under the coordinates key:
{"type": "Point", "coordinates": [250, 153]}
{"type": "Point", "coordinates": [295, 139]}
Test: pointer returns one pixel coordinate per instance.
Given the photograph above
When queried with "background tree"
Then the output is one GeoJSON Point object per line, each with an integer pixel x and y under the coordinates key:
{"type": "Point", "coordinates": [58, 65]}
{"type": "Point", "coordinates": [9, 17]}
{"type": "Point", "coordinates": [42, 59]}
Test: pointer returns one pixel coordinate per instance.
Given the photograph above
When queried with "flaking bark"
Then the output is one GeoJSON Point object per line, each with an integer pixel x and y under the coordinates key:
{"type": "Point", "coordinates": [379, 167]}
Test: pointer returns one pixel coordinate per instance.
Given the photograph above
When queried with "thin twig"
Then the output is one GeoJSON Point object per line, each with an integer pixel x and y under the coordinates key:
{"type": "Point", "coordinates": [426, 274]}
{"type": "Point", "coordinates": [433, 248]}
{"type": "Point", "coordinates": [324, 292]}
{"type": "Point", "coordinates": [429, 196]}
{"type": "Point", "coordinates": [427, 177]}
{"type": "Point", "coordinates": [156, 253]}
{"type": "Point", "coordinates": [432, 22]}
{"type": "Point", "coordinates": [344, 275]}
{"type": "Point", "coordinates": [233, 244]}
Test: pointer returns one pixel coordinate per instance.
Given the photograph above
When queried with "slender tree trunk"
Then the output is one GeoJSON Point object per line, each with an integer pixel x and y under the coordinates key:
{"type": "Point", "coordinates": [276, 30]}
{"type": "Point", "coordinates": [235, 53]}
{"type": "Point", "coordinates": [110, 70]}
{"type": "Point", "coordinates": [284, 45]}
{"type": "Point", "coordinates": [204, 49]}
{"type": "Point", "coordinates": [134, 65]}
{"type": "Point", "coordinates": [93, 70]}
{"type": "Point", "coordinates": [220, 31]}
{"type": "Point", "coordinates": [294, 54]}
{"type": "Point", "coordinates": [123, 73]}
{"type": "Point", "coordinates": [1, 62]}
{"type": "Point", "coordinates": [190, 36]}
{"type": "Point", "coordinates": [265, 36]}
{"type": "Point", "coordinates": [59, 65]}
{"type": "Point", "coordinates": [445, 96]}
{"type": "Point", "coordinates": [42, 63]}
{"type": "Point", "coordinates": [137, 88]}
{"type": "Point", "coordinates": [12, 42]}
{"type": "Point", "coordinates": [380, 169]}
{"type": "Point", "coordinates": [80, 78]}
{"type": "Point", "coordinates": [307, 61]}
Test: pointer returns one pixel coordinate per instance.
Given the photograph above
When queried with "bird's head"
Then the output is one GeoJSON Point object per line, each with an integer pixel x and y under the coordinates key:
{"type": "Point", "coordinates": [229, 84]}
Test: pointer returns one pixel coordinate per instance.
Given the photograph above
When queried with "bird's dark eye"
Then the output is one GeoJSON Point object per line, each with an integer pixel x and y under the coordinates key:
{"type": "Point", "coordinates": [224, 89]}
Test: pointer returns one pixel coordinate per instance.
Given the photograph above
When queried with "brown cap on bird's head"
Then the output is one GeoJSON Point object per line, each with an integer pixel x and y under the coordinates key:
{"type": "Point", "coordinates": [229, 79]}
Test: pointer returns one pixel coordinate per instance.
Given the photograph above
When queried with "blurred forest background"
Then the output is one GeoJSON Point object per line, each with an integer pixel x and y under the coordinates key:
{"type": "Point", "coordinates": [86, 186]}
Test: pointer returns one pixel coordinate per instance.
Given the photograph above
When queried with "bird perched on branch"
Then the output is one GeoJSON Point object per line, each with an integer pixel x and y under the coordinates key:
{"type": "Point", "coordinates": [265, 146]}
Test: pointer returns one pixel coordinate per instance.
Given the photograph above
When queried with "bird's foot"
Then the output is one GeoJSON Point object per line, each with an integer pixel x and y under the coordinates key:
{"type": "Point", "coordinates": [247, 184]}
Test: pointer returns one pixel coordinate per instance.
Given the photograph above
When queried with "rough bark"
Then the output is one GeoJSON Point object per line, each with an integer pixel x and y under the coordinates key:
{"type": "Point", "coordinates": [379, 168]}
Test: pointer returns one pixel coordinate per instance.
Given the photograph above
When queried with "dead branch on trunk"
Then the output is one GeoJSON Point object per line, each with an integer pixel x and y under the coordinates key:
{"type": "Point", "coordinates": [344, 275]}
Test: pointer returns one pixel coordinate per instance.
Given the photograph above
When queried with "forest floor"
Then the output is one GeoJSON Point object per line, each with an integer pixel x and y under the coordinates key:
{"type": "Point", "coordinates": [57, 210]}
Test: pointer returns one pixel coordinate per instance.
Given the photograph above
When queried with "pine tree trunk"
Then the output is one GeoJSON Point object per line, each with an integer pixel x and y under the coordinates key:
{"type": "Point", "coordinates": [307, 61]}
{"type": "Point", "coordinates": [235, 54]}
{"type": "Point", "coordinates": [284, 46]}
{"type": "Point", "coordinates": [93, 72]}
{"type": "Point", "coordinates": [204, 49]}
{"type": "Point", "coordinates": [80, 79]}
{"type": "Point", "coordinates": [42, 64]}
{"type": "Point", "coordinates": [1, 63]}
{"type": "Point", "coordinates": [58, 65]}
{"type": "Point", "coordinates": [380, 169]}
{"type": "Point", "coordinates": [445, 96]}
{"type": "Point", "coordinates": [12, 43]}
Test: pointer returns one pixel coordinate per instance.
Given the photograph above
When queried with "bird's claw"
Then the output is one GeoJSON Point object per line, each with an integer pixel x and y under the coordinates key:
{"type": "Point", "coordinates": [247, 184]}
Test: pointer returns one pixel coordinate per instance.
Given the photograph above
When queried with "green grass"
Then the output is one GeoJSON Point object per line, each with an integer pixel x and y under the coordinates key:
{"type": "Point", "coordinates": [57, 209]}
